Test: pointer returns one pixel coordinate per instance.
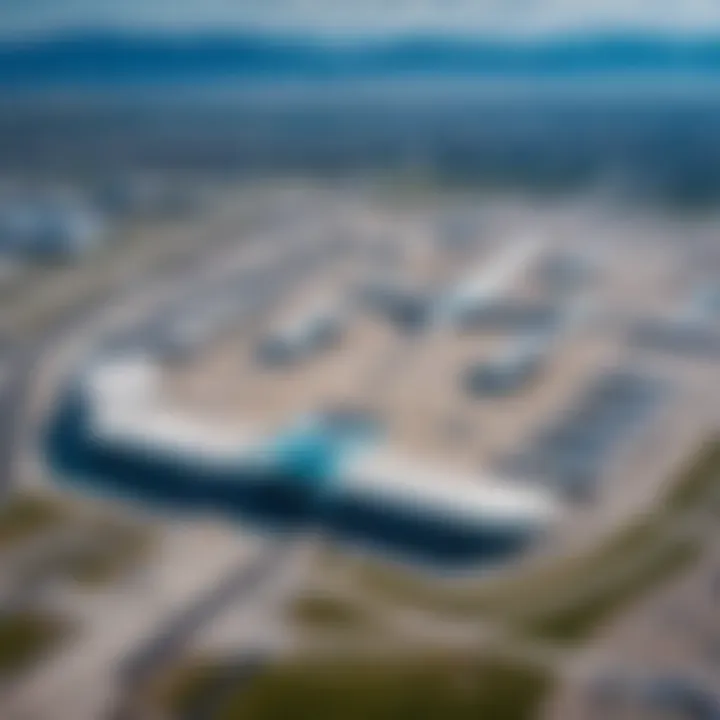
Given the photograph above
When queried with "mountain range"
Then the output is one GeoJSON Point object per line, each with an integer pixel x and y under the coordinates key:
{"type": "Point", "coordinates": [83, 58]}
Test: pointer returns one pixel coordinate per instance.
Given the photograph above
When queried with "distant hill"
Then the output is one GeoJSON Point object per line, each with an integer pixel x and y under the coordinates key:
{"type": "Point", "coordinates": [100, 58]}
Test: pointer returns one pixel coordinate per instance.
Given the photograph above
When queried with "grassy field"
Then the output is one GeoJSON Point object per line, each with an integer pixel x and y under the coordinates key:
{"type": "Point", "coordinates": [577, 620]}
{"type": "Point", "coordinates": [117, 550]}
{"type": "Point", "coordinates": [328, 613]}
{"type": "Point", "coordinates": [25, 638]}
{"type": "Point", "coordinates": [24, 515]}
{"type": "Point", "coordinates": [652, 551]}
{"type": "Point", "coordinates": [421, 688]}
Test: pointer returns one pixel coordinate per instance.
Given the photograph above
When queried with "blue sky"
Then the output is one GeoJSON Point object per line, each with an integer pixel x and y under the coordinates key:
{"type": "Point", "coordinates": [375, 17]}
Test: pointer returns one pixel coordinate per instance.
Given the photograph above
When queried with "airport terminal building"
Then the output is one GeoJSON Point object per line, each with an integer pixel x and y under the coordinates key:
{"type": "Point", "coordinates": [110, 433]}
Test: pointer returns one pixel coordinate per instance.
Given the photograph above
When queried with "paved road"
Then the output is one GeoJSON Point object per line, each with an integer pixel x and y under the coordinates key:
{"type": "Point", "coordinates": [179, 630]}
{"type": "Point", "coordinates": [19, 373]}
{"type": "Point", "coordinates": [252, 588]}
{"type": "Point", "coordinates": [13, 391]}
{"type": "Point", "coordinates": [79, 329]}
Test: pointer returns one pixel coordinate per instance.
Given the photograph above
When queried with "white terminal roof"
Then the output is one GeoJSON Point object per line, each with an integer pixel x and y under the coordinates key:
{"type": "Point", "coordinates": [122, 382]}
{"type": "Point", "coordinates": [126, 409]}
{"type": "Point", "coordinates": [461, 497]}
{"type": "Point", "coordinates": [168, 432]}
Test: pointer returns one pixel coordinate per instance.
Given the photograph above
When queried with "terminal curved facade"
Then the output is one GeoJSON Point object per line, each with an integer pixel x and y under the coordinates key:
{"type": "Point", "coordinates": [326, 475]}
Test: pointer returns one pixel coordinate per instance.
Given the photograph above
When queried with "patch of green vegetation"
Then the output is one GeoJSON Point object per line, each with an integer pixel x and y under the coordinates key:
{"type": "Point", "coordinates": [25, 515]}
{"type": "Point", "coordinates": [25, 638]}
{"type": "Point", "coordinates": [326, 612]}
{"type": "Point", "coordinates": [701, 480]}
{"type": "Point", "coordinates": [419, 688]}
{"type": "Point", "coordinates": [184, 687]}
{"type": "Point", "coordinates": [115, 552]}
{"type": "Point", "coordinates": [577, 620]}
